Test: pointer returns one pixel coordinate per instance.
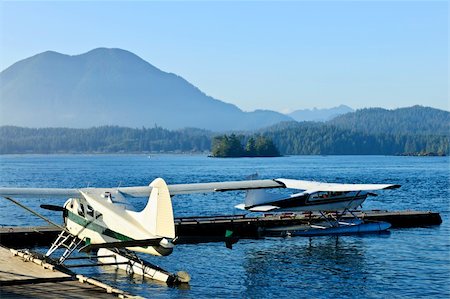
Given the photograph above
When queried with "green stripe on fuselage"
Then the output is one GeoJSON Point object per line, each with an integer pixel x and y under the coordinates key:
{"type": "Point", "coordinates": [90, 224]}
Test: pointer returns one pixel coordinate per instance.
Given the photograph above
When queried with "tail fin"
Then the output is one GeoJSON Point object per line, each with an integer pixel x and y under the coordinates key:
{"type": "Point", "coordinates": [158, 210]}
{"type": "Point", "coordinates": [255, 197]}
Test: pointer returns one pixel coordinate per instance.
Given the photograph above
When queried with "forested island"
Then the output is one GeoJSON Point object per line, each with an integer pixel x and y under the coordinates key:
{"type": "Point", "coordinates": [231, 147]}
{"type": "Point", "coordinates": [419, 131]}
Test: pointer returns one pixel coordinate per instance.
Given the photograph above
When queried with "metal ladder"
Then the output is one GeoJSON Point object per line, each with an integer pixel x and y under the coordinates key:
{"type": "Point", "coordinates": [66, 240]}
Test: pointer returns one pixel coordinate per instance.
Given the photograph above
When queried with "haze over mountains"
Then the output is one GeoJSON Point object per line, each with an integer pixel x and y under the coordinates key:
{"type": "Point", "coordinates": [320, 114]}
{"type": "Point", "coordinates": [113, 87]}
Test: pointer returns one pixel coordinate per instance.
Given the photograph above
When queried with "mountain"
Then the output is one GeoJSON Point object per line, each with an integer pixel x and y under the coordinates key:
{"type": "Point", "coordinates": [416, 120]}
{"type": "Point", "coordinates": [319, 114]}
{"type": "Point", "coordinates": [112, 87]}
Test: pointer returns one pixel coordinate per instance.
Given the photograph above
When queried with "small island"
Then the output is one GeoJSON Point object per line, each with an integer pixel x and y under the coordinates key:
{"type": "Point", "coordinates": [231, 147]}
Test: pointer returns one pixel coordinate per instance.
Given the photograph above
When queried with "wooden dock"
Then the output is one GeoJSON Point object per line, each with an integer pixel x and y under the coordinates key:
{"type": "Point", "coordinates": [212, 229]}
{"type": "Point", "coordinates": [22, 275]}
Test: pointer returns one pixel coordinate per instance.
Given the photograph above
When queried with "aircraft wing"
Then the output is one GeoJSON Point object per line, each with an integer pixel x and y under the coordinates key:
{"type": "Point", "coordinates": [175, 189]}
{"type": "Point", "coordinates": [39, 192]}
{"type": "Point", "coordinates": [144, 191]}
{"type": "Point", "coordinates": [224, 186]}
{"type": "Point", "coordinates": [319, 186]}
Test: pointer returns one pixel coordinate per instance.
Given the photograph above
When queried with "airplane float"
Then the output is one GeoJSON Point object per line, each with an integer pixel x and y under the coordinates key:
{"type": "Point", "coordinates": [103, 220]}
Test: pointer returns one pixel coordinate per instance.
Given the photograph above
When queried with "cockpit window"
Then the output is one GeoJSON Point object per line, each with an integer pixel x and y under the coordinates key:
{"type": "Point", "coordinates": [90, 211]}
{"type": "Point", "coordinates": [81, 210]}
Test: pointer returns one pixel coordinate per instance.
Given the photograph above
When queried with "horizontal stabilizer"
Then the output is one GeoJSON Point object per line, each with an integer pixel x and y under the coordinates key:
{"type": "Point", "coordinates": [122, 244]}
{"type": "Point", "coordinates": [263, 208]}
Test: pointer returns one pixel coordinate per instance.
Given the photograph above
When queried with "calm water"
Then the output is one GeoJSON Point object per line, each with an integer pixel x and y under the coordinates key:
{"type": "Point", "coordinates": [407, 262]}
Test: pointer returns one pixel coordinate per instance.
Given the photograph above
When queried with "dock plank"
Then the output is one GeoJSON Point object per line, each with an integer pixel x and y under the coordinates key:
{"type": "Point", "coordinates": [28, 277]}
{"type": "Point", "coordinates": [61, 289]}
{"type": "Point", "coordinates": [14, 270]}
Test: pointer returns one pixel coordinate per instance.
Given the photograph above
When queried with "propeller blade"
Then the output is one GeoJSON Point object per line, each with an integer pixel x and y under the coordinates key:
{"type": "Point", "coordinates": [53, 208]}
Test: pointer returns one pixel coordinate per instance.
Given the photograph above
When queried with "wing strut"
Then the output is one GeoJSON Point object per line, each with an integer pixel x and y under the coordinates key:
{"type": "Point", "coordinates": [34, 213]}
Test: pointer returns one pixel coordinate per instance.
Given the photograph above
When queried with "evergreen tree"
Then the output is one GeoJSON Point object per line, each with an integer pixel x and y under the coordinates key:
{"type": "Point", "coordinates": [250, 148]}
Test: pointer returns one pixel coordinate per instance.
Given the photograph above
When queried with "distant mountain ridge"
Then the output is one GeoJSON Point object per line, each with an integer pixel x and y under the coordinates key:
{"type": "Point", "coordinates": [319, 114]}
{"type": "Point", "coordinates": [112, 87]}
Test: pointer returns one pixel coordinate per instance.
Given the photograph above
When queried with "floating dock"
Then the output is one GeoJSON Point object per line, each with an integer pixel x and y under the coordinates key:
{"type": "Point", "coordinates": [23, 275]}
{"type": "Point", "coordinates": [210, 229]}
{"type": "Point", "coordinates": [214, 228]}
{"type": "Point", "coordinates": [27, 276]}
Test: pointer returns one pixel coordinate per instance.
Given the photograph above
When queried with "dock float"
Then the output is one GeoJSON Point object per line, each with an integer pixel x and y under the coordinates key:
{"type": "Point", "coordinates": [213, 228]}
{"type": "Point", "coordinates": [210, 229]}
{"type": "Point", "coordinates": [23, 275]}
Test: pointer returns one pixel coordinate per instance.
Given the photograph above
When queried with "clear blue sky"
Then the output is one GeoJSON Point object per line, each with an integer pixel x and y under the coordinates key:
{"type": "Point", "coordinates": [269, 55]}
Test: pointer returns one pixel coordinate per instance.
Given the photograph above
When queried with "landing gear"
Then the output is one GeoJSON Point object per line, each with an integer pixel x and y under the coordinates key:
{"type": "Point", "coordinates": [119, 258]}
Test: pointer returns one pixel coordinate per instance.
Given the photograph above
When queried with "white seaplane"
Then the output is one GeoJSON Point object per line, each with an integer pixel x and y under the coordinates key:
{"type": "Point", "coordinates": [333, 202]}
{"type": "Point", "coordinates": [103, 219]}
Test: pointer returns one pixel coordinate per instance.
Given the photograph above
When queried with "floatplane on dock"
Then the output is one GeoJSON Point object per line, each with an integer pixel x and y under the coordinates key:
{"type": "Point", "coordinates": [330, 202]}
{"type": "Point", "coordinates": [103, 220]}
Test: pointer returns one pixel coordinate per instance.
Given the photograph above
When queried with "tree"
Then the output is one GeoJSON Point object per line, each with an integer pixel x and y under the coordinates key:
{"type": "Point", "coordinates": [265, 147]}
{"type": "Point", "coordinates": [250, 148]}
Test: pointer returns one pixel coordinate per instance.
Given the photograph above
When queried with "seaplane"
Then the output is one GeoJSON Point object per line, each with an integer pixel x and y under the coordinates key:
{"type": "Point", "coordinates": [104, 221]}
{"type": "Point", "coordinates": [332, 203]}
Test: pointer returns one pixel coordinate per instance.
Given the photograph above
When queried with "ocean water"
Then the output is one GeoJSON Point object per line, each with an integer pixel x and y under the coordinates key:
{"type": "Point", "coordinates": [413, 262]}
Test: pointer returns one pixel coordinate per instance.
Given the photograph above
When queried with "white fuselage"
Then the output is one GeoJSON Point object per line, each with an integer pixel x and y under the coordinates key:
{"type": "Point", "coordinates": [313, 201]}
{"type": "Point", "coordinates": [97, 218]}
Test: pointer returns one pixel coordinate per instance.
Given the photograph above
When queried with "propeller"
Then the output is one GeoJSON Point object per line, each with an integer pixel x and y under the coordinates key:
{"type": "Point", "coordinates": [53, 208]}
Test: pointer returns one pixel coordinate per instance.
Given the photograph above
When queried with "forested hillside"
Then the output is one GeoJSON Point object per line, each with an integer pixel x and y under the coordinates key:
{"type": "Point", "coordinates": [290, 138]}
{"type": "Point", "coordinates": [102, 140]}
{"type": "Point", "coordinates": [323, 139]}
{"type": "Point", "coordinates": [411, 120]}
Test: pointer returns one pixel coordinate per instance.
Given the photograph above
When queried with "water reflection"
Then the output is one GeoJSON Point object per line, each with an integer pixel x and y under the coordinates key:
{"type": "Point", "coordinates": [335, 264]}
